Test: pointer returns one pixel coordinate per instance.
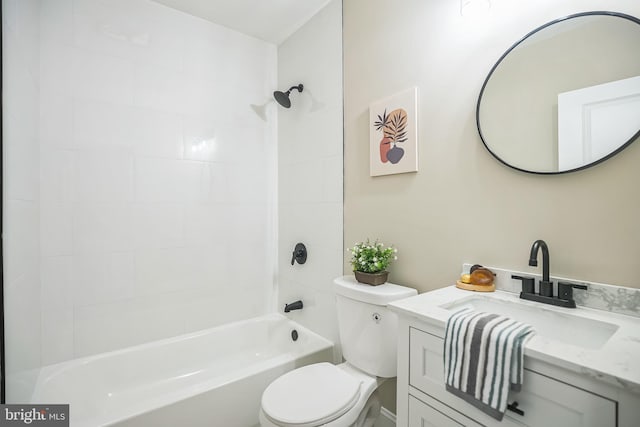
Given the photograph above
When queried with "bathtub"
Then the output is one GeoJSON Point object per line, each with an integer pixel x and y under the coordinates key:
{"type": "Point", "coordinates": [213, 377]}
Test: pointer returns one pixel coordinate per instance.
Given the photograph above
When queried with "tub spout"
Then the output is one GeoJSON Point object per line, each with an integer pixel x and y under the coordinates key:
{"type": "Point", "coordinates": [296, 305]}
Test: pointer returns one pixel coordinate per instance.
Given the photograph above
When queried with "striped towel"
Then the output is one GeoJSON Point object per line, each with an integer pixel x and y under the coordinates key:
{"type": "Point", "coordinates": [483, 358]}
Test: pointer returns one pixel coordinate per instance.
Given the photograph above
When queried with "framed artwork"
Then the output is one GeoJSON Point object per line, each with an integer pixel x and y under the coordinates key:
{"type": "Point", "coordinates": [393, 134]}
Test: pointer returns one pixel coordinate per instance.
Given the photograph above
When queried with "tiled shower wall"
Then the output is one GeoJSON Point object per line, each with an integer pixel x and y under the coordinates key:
{"type": "Point", "coordinates": [21, 193]}
{"type": "Point", "coordinates": [156, 176]}
{"type": "Point", "coordinates": [310, 170]}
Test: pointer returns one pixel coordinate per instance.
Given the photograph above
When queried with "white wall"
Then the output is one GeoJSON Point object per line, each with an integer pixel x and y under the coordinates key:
{"type": "Point", "coordinates": [21, 244]}
{"type": "Point", "coordinates": [310, 169]}
{"type": "Point", "coordinates": [157, 178]}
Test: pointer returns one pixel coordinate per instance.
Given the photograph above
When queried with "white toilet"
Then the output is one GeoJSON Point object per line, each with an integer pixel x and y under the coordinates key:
{"type": "Point", "coordinates": [345, 395]}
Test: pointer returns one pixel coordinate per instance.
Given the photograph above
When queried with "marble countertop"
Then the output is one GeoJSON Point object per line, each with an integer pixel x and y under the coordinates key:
{"type": "Point", "coordinates": [615, 362]}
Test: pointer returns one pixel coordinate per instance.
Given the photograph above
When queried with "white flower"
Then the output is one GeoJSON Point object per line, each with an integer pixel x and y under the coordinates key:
{"type": "Point", "coordinates": [395, 250]}
{"type": "Point", "coordinates": [395, 257]}
{"type": "Point", "coordinates": [375, 259]}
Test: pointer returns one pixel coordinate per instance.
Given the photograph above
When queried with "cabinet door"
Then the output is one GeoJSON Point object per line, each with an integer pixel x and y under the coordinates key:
{"type": "Point", "coordinates": [545, 401]}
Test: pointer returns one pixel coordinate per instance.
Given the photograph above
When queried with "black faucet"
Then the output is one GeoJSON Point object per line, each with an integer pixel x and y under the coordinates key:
{"type": "Point", "coordinates": [546, 286]}
{"type": "Point", "coordinates": [565, 290]}
{"type": "Point", "coordinates": [296, 305]}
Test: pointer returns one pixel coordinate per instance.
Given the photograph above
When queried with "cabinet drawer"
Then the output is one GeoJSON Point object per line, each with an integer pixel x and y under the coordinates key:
{"type": "Point", "coordinates": [542, 399]}
{"type": "Point", "coordinates": [422, 414]}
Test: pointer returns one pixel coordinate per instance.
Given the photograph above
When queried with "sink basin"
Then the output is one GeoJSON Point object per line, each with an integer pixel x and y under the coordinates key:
{"type": "Point", "coordinates": [560, 325]}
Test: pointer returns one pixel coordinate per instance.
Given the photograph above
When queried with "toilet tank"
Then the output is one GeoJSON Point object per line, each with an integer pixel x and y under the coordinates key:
{"type": "Point", "coordinates": [368, 329]}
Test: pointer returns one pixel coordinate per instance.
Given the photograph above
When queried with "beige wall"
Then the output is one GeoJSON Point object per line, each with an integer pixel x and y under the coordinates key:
{"type": "Point", "coordinates": [463, 205]}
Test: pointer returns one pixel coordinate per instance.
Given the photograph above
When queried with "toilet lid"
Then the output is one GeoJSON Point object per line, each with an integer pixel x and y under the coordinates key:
{"type": "Point", "coordinates": [311, 395]}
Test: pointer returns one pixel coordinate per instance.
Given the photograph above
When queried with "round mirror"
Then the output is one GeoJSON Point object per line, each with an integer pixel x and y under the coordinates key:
{"type": "Point", "coordinates": [566, 96]}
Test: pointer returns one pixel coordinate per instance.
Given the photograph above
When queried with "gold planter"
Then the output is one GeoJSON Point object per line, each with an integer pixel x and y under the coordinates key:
{"type": "Point", "coordinates": [373, 279]}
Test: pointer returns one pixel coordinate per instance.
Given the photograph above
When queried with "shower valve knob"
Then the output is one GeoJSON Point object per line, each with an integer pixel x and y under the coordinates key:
{"type": "Point", "coordinates": [299, 254]}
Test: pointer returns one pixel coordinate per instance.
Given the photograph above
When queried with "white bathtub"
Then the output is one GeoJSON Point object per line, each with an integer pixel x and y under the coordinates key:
{"type": "Point", "coordinates": [209, 378]}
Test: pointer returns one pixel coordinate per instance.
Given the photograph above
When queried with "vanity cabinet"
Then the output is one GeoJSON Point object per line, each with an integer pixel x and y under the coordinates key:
{"type": "Point", "coordinates": [541, 399]}
{"type": "Point", "coordinates": [548, 397]}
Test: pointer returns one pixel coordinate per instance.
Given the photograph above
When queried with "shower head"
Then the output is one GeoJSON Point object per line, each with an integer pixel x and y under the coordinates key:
{"type": "Point", "coordinates": [283, 97]}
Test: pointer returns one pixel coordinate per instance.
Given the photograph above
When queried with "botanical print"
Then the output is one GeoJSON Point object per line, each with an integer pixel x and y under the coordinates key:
{"type": "Point", "coordinates": [393, 135]}
{"type": "Point", "coordinates": [394, 131]}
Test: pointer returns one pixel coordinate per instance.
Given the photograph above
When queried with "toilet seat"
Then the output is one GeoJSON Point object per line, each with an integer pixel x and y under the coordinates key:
{"type": "Point", "coordinates": [300, 398]}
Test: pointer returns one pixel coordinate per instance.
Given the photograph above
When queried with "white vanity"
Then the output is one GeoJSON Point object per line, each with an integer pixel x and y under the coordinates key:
{"type": "Point", "coordinates": [581, 369]}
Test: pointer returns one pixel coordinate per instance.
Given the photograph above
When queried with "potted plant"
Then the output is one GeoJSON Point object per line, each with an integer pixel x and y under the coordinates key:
{"type": "Point", "coordinates": [370, 262]}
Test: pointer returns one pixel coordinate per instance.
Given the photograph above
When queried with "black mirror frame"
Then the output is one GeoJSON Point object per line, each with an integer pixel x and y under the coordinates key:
{"type": "Point", "coordinates": [540, 28]}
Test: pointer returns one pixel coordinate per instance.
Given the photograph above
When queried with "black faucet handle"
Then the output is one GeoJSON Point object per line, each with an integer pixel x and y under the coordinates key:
{"type": "Point", "coordinates": [565, 290]}
{"type": "Point", "coordinates": [528, 284]}
{"type": "Point", "coordinates": [299, 254]}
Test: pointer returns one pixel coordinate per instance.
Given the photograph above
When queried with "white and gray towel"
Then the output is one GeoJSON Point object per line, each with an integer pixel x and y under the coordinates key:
{"type": "Point", "coordinates": [483, 358]}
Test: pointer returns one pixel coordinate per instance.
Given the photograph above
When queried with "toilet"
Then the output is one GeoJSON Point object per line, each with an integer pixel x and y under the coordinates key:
{"type": "Point", "coordinates": [342, 395]}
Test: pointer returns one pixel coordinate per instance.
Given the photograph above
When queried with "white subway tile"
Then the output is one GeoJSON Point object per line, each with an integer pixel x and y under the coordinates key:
{"type": "Point", "coordinates": [103, 177]}
{"type": "Point", "coordinates": [151, 321]}
{"type": "Point", "coordinates": [164, 180]}
{"type": "Point", "coordinates": [101, 227]}
{"type": "Point", "coordinates": [102, 78]}
{"type": "Point", "coordinates": [102, 126]}
{"type": "Point", "coordinates": [161, 270]}
{"type": "Point", "coordinates": [301, 182]}
{"type": "Point", "coordinates": [160, 88]}
{"type": "Point", "coordinates": [21, 161]}
{"type": "Point", "coordinates": [56, 21]}
{"type": "Point", "coordinates": [20, 133]}
{"type": "Point", "coordinates": [21, 238]}
{"type": "Point", "coordinates": [56, 175]}
{"type": "Point", "coordinates": [157, 134]}
{"type": "Point", "coordinates": [102, 277]}
{"type": "Point", "coordinates": [250, 245]}
{"type": "Point", "coordinates": [332, 179]}
{"type": "Point", "coordinates": [56, 225]}
{"type": "Point", "coordinates": [213, 308]}
{"type": "Point", "coordinates": [56, 120]}
{"type": "Point", "coordinates": [22, 319]}
{"type": "Point", "coordinates": [57, 282]}
{"type": "Point", "coordinates": [201, 139]}
{"type": "Point", "coordinates": [208, 97]}
{"type": "Point", "coordinates": [209, 45]}
{"type": "Point", "coordinates": [140, 31]}
{"type": "Point", "coordinates": [210, 267]}
{"type": "Point", "coordinates": [57, 335]}
{"type": "Point", "coordinates": [208, 224]}
{"type": "Point", "coordinates": [249, 183]}
{"type": "Point", "coordinates": [158, 225]}
{"type": "Point", "coordinates": [21, 34]}
{"type": "Point", "coordinates": [101, 328]}
{"type": "Point", "coordinates": [57, 68]}
{"type": "Point", "coordinates": [233, 142]}
{"type": "Point", "coordinates": [218, 175]}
